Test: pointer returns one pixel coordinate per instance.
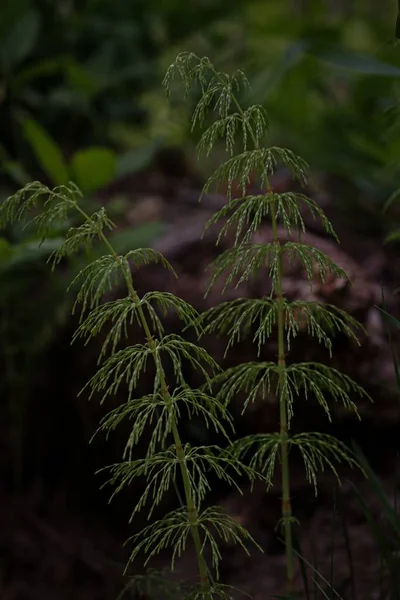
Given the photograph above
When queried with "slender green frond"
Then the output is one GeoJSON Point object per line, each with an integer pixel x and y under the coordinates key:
{"type": "Point", "coordinates": [322, 321]}
{"type": "Point", "coordinates": [125, 366]}
{"type": "Point", "coordinates": [215, 525]}
{"type": "Point", "coordinates": [217, 591]}
{"type": "Point", "coordinates": [152, 413]}
{"type": "Point", "coordinates": [58, 201]}
{"type": "Point", "coordinates": [255, 379]}
{"type": "Point", "coordinates": [314, 261]}
{"type": "Point", "coordinates": [216, 95]}
{"type": "Point", "coordinates": [237, 318]}
{"type": "Point", "coordinates": [244, 261]}
{"type": "Point", "coordinates": [145, 256]}
{"type": "Point", "coordinates": [122, 312]}
{"type": "Point", "coordinates": [147, 412]}
{"type": "Point", "coordinates": [258, 379]}
{"type": "Point", "coordinates": [55, 211]}
{"type": "Point", "coordinates": [320, 451]}
{"type": "Point", "coordinates": [321, 381]}
{"type": "Point", "coordinates": [286, 520]}
{"type": "Point", "coordinates": [159, 469]}
{"type": "Point", "coordinates": [97, 278]}
{"type": "Point", "coordinates": [155, 583]}
{"type": "Point", "coordinates": [198, 403]}
{"type": "Point", "coordinates": [168, 302]}
{"type": "Point", "coordinates": [174, 529]}
{"type": "Point", "coordinates": [180, 350]}
{"type": "Point", "coordinates": [162, 468]}
{"type": "Point", "coordinates": [82, 236]}
{"type": "Point", "coordinates": [263, 449]}
{"type": "Point", "coordinates": [262, 161]}
{"type": "Point", "coordinates": [107, 272]}
{"type": "Point", "coordinates": [190, 68]}
{"type": "Point", "coordinates": [247, 213]}
{"type": "Point", "coordinates": [217, 88]}
{"type": "Point", "coordinates": [250, 123]}
{"type": "Point", "coordinates": [240, 263]}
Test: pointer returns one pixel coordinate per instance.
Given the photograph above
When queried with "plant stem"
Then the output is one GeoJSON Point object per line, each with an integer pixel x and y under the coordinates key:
{"type": "Point", "coordinates": [283, 417]}
{"type": "Point", "coordinates": [192, 511]}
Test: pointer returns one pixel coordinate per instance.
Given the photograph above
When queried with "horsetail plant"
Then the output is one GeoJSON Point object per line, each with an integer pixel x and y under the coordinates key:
{"type": "Point", "coordinates": [247, 128]}
{"type": "Point", "coordinates": [161, 411]}
{"type": "Point", "coordinates": [167, 459]}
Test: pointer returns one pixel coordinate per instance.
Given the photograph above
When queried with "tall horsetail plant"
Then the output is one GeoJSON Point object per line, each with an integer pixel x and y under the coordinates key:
{"type": "Point", "coordinates": [248, 128]}
{"type": "Point", "coordinates": [167, 460]}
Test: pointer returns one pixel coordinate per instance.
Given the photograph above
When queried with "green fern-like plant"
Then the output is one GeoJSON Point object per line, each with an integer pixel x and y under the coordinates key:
{"type": "Point", "coordinates": [246, 129]}
{"type": "Point", "coordinates": [161, 410]}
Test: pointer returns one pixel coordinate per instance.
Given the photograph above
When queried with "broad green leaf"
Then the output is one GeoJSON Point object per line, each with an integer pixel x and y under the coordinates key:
{"type": "Point", "coordinates": [45, 67]}
{"type": "Point", "coordinates": [270, 78]}
{"type": "Point", "coordinates": [136, 160]}
{"type": "Point", "coordinates": [368, 147]}
{"type": "Point", "coordinates": [135, 237]}
{"type": "Point", "coordinates": [48, 153]}
{"type": "Point", "coordinates": [356, 61]}
{"type": "Point", "coordinates": [27, 253]}
{"type": "Point", "coordinates": [20, 40]}
{"type": "Point", "coordinates": [93, 168]}
{"type": "Point", "coordinates": [81, 79]}
{"type": "Point", "coordinates": [16, 171]}
{"type": "Point", "coordinates": [35, 250]}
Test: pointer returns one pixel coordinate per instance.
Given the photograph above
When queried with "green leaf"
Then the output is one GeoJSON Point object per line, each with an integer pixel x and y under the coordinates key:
{"type": "Point", "coordinates": [135, 237]}
{"type": "Point", "coordinates": [6, 250]}
{"type": "Point", "coordinates": [47, 152]}
{"type": "Point", "coordinates": [16, 171]}
{"type": "Point", "coordinates": [356, 61]}
{"type": "Point", "coordinates": [394, 236]}
{"type": "Point", "coordinates": [21, 38]}
{"type": "Point", "coordinates": [389, 319]}
{"type": "Point", "coordinates": [27, 253]}
{"type": "Point", "coordinates": [43, 68]}
{"type": "Point", "coordinates": [93, 168]}
{"type": "Point", "coordinates": [81, 79]}
{"type": "Point", "coordinates": [137, 159]}
{"type": "Point", "coordinates": [270, 78]}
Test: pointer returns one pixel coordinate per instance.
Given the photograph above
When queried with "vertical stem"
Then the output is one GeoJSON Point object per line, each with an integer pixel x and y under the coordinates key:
{"type": "Point", "coordinates": [180, 452]}
{"type": "Point", "coordinates": [283, 417]}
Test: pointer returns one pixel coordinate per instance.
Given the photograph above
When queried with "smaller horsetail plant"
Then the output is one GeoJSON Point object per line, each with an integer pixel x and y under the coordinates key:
{"type": "Point", "coordinates": [246, 128]}
{"type": "Point", "coordinates": [168, 462]}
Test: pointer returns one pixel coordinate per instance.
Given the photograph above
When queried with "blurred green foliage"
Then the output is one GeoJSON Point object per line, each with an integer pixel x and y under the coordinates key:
{"type": "Point", "coordinates": [88, 74]}
{"type": "Point", "coordinates": [79, 68]}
